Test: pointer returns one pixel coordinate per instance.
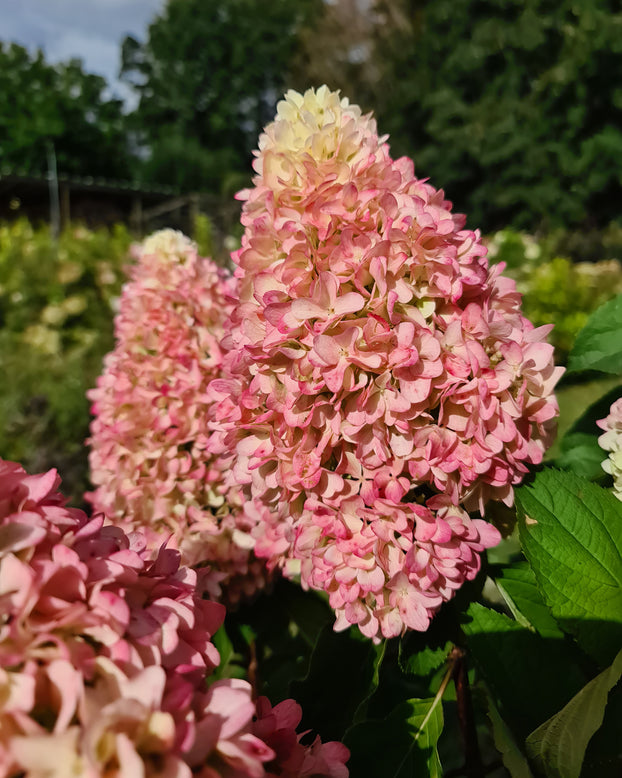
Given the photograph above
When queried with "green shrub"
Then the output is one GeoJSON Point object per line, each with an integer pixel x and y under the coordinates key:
{"type": "Point", "coordinates": [554, 288]}
{"type": "Point", "coordinates": [56, 324]}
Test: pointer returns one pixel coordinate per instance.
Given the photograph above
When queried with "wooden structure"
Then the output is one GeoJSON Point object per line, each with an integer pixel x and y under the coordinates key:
{"type": "Point", "coordinates": [93, 202]}
{"type": "Point", "coordinates": [99, 203]}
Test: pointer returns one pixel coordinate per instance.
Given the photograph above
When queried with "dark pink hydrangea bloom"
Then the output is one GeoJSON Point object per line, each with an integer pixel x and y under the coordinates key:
{"type": "Point", "coordinates": [149, 435]}
{"type": "Point", "coordinates": [104, 654]}
{"type": "Point", "coordinates": [381, 374]}
{"type": "Point", "coordinates": [276, 726]}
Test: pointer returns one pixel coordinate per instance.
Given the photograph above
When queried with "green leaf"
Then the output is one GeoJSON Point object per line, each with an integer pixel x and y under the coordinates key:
{"type": "Point", "coordinates": [421, 653]}
{"type": "Point", "coordinates": [571, 533]}
{"type": "Point", "coordinates": [517, 584]}
{"type": "Point", "coordinates": [342, 675]}
{"type": "Point", "coordinates": [579, 449]}
{"type": "Point", "coordinates": [598, 346]}
{"type": "Point", "coordinates": [558, 746]}
{"type": "Point", "coordinates": [520, 667]}
{"type": "Point", "coordinates": [399, 746]}
{"type": "Point", "coordinates": [582, 454]}
{"type": "Point", "coordinates": [603, 758]}
{"type": "Point", "coordinates": [425, 661]}
{"type": "Point", "coordinates": [513, 758]}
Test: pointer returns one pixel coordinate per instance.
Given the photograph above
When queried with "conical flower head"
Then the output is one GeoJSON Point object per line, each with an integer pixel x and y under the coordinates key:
{"type": "Point", "coordinates": [150, 432]}
{"type": "Point", "coordinates": [385, 377]}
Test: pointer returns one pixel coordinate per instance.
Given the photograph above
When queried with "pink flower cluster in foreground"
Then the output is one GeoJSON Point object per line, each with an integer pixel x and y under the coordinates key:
{"type": "Point", "coordinates": [104, 654]}
{"type": "Point", "coordinates": [611, 440]}
{"type": "Point", "coordinates": [381, 380]}
{"type": "Point", "coordinates": [149, 435]}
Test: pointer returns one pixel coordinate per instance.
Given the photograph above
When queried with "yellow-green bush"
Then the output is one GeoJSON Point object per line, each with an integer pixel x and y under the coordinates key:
{"type": "Point", "coordinates": [555, 289]}
{"type": "Point", "coordinates": [56, 324]}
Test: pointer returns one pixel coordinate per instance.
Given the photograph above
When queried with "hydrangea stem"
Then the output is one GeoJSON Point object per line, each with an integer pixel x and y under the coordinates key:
{"type": "Point", "coordinates": [473, 765]}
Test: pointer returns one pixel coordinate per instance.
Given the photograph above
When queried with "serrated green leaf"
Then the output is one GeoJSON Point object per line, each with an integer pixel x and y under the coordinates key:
{"type": "Point", "coordinates": [571, 533]}
{"type": "Point", "coordinates": [425, 661]}
{"type": "Point", "coordinates": [513, 758]}
{"type": "Point", "coordinates": [517, 583]}
{"type": "Point", "coordinates": [579, 449]}
{"type": "Point", "coordinates": [529, 677]}
{"type": "Point", "coordinates": [598, 346]}
{"type": "Point", "coordinates": [558, 746]}
{"type": "Point", "coordinates": [399, 746]}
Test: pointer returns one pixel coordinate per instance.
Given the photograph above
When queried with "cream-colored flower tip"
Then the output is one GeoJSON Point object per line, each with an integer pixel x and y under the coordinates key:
{"type": "Point", "coordinates": [311, 123]}
{"type": "Point", "coordinates": [611, 441]}
{"type": "Point", "coordinates": [170, 243]}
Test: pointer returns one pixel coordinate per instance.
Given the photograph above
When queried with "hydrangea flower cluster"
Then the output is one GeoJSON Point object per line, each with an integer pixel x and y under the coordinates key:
{"type": "Point", "coordinates": [611, 440]}
{"type": "Point", "coordinates": [276, 726]}
{"type": "Point", "coordinates": [104, 654]}
{"type": "Point", "coordinates": [384, 380]}
{"type": "Point", "coordinates": [149, 434]}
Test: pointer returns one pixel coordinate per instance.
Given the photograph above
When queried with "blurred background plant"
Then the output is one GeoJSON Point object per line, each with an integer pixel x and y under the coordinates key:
{"type": "Point", "coordinates": [57, 303]}
{"type": "Point", "coordinates": [513, 107]}
{"type": "Point", "coordinates": [555, 288]}
{"type": "Point", "coordinates": [56, 308]}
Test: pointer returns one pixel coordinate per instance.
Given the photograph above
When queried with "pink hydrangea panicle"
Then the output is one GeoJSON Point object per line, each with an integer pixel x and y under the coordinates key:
{"type": "Point", "coordinates": [611, 441]}
{"type": "Point", "coordinates": [150, 456]}
{"type": "Point", "coordinates": [384, 378]}
{"type": "Point", "coordinates": [92, 630]}
{"type": "Point", "coordinates": [105, 652]}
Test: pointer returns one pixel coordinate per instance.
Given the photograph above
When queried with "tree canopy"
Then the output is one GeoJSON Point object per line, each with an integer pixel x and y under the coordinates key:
{"type": "Point", "coordinates": [208, 77]}
{"type": "Point", "coordinates": [513, 106]}
{"type": "Point", "coordinates": [40, 102]}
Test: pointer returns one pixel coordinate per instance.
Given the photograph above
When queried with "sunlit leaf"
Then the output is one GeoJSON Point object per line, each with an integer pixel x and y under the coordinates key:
{"type": "Point", "coordinates": [571, 532]}
{"type": "Point", "coordinates": [558, 746]}
{"type": "Point", "coordinates": [598, 346]}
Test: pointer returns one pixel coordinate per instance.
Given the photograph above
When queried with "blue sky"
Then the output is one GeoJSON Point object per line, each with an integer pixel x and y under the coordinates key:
{"type": "Point", "coordinates": [91, 30]}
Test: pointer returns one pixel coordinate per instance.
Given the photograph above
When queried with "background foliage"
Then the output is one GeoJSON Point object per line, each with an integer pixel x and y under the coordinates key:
{"type": "Point", "coordinates": [43, 104]}
{"type": "Point", "coordinates": [507, 104]}
{"type": "Point", "coordinates": [56, 311]}
{"type": "Point", "coordinates": [208, 76]}
{"type": "Point", "coordinates": [513, 106]}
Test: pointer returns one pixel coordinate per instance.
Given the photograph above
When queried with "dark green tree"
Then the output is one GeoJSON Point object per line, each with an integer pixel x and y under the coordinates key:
{"type": "Point", "coordinates": [60, 103]}
{"type": "Point", "coordinates": [513, 106]}
{"type": "Point", "coordinates": [208, 77]}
